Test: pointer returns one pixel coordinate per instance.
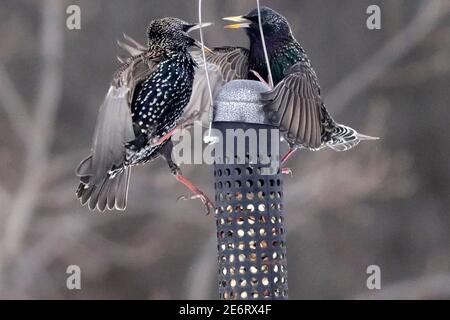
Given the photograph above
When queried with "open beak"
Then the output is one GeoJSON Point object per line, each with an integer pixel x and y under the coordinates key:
{"type": "Point", "coordinates": [242, 22]}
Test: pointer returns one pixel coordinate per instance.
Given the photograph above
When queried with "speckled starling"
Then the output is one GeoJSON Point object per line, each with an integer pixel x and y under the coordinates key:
{"type": "Point", "coordinates": [294, 104]}
{"type": "Point", "coordinates": [146, 101]}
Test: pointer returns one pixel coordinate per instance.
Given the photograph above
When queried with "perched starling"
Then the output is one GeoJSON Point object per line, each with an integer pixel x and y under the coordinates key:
{"type": "Point", "coordinates": [294, 104]}
{"type": "Point", "coordinates": [146, 101]}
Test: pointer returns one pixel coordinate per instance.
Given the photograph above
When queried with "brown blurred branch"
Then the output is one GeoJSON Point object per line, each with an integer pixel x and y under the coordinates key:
{"type": "Point", "coordinates": [429, 15]}
{"type": "Point", "coordinates": [4, 197]}
{"type": "Point", "coordinates": [14, 106]}
{"type": "Point", "coordinates": [41, 134]}
{"type": "Point", "coordinates": [417, 72]}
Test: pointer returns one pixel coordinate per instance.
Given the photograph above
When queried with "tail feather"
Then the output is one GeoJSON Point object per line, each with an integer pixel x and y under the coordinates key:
{"type": "Point", "coordinates": [122, 189]}
{"type": "Point", "coordinates": [365, 137]}
{"type": "Point", "coordinates": [101, 174]}
{"type": "Point", "coordinates": [85, 192]}
{"type": "Point", "coordinates": [110, 193]}
{"type": "Point", "coordinates": [344, 138]}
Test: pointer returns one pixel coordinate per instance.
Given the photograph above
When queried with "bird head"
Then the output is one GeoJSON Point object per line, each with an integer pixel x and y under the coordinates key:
{"type": "Point", "coordinates": [274, 24]}
{"type": "Point", "coordinates": [171, 34]}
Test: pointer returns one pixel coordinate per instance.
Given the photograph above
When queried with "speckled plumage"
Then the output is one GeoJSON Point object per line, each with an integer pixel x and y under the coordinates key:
{"type": "Point", "coordinates": [147, 98]}
{"type": "Point", "coordinates": [285, 52]}
{"type": "Point", "coordinates": [159, 103]}
{"type": "Point", "coordinates": [295, 104]}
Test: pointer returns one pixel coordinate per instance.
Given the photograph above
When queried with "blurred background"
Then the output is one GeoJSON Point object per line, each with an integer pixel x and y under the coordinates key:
{"type": "Point", "coordinates": [384, 203]}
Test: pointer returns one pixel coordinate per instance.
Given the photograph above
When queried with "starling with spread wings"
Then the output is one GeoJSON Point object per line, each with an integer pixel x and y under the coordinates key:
{"type": "Point", "coordinates": [295, 104]}
{"type": "Point", "coordinates": [145, 102]}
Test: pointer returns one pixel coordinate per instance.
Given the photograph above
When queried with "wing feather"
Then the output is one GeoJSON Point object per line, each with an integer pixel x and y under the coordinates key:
{"type": "Point", "coordinates": [199, 103]}
{"type": "Point", "coordinates": [224, 64]}
{"type": "Point", "coordinates": [231, 61]}
{"type": "Point", "coordinates": [297, 100]}
{"type": "Point", "coordinates": [103, 177]}
{"type": "Point", "coordinates": [295, 119]}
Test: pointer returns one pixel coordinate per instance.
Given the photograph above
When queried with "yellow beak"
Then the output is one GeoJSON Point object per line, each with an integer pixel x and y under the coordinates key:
{"type": "Point", "coordinates": [242, 22]}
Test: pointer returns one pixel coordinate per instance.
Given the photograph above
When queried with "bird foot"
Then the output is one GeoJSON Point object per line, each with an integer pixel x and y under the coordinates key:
{"type": "Point", "coordinates": [287, 171]}
{"type": "Point", "coordinates": [198, 194]}
{"type": "Point", "coordinates": [205, 200]}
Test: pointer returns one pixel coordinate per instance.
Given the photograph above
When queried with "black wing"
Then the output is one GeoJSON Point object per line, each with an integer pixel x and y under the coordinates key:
{"type": "Point", "coordinates": [294, 106]}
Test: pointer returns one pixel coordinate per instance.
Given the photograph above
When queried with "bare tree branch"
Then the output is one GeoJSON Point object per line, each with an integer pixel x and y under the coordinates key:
{"type": "Point", "coordinates": [14, 106]}
{"type": "Point", "coordinates": [358, 80]}
{"type": "Point", "coordinates": [50, 90]}
{"type": "Point", "coordinates": [417, 72]}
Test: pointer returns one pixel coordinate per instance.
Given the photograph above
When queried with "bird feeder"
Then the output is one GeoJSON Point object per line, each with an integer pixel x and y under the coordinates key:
{"type": "Point", "coordinates": [248, 197]}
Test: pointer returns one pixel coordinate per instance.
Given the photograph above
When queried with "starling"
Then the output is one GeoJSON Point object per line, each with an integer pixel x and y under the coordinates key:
{"type": "Point", "coordinates": [145, 102]}
{"type": "Point", "coordinates": [294, 105]}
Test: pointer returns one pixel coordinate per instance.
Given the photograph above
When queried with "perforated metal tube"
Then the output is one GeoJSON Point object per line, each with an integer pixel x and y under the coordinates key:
{"type": "Point", "coordinates": [249, 203]}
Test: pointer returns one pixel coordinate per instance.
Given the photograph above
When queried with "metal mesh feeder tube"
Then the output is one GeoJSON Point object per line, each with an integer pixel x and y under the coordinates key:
{"type": "Point", "coordinates": [249, 197]}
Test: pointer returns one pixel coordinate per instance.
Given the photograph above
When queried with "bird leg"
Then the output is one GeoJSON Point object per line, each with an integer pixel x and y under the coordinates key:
{"type": "Point", "coordinates": [198, 194]}
{"type": "Point", "coordinates": [158, 141]}
{"type": "Point", "coordinates": [285, 158]}
{"type": "Point", "coordinates": [184, 122]}
{"type": "Point", "coordinates": [166, 152]}
{"type": "Point", "coordinates": [288, 154]}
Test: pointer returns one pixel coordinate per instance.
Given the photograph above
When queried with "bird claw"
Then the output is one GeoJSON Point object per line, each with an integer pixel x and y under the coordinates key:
{"type": "Point", "coordinates": [205, 200]}
{"type": "Point", "coordinates": [287, 171]}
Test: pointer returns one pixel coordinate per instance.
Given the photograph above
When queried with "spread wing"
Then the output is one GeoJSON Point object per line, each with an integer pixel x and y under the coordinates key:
{"type": "Point", "coordinates": [130, 45]}
{"type": "Point", "coordinates": [294, 105]}
{"type": "Point", "coordinates": [232, 62]}
{"type": "Point", "coordinates": [224, 64]}
{"type": "Point", "coordinates": [103, 178]}
{"type": "Point", "coordinates": [114, 122]}
{"type": "Point", "coordinates": [135, 68]}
